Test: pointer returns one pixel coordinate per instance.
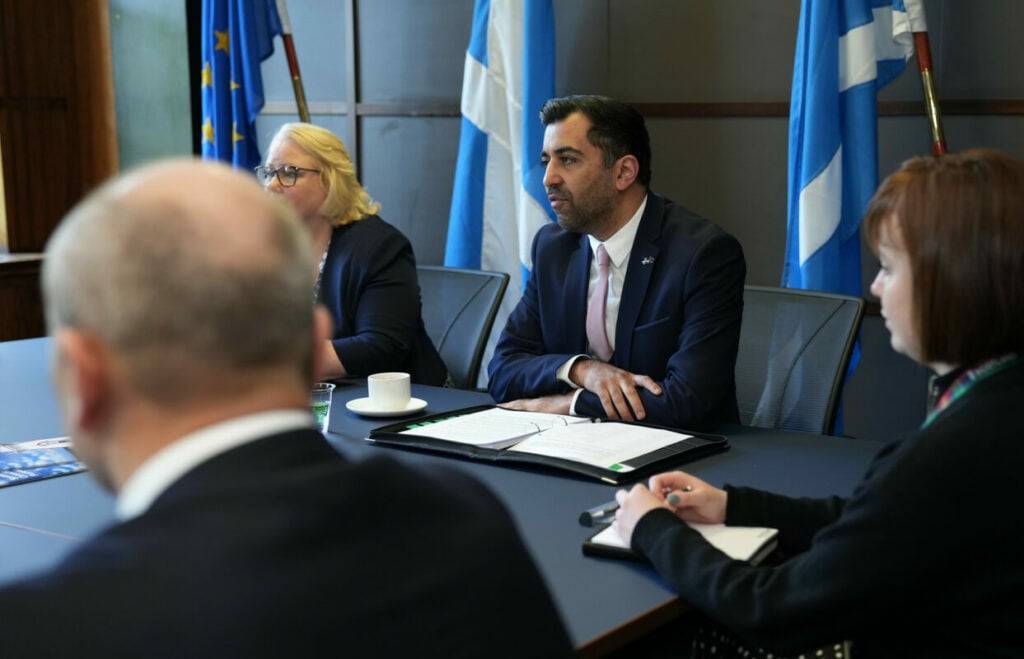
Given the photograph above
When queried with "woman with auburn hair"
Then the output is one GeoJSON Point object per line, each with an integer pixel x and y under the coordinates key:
{"type": "Point", "coordinates": [365, 271]}
{"type": "Point", "coordinates": [924, 559]}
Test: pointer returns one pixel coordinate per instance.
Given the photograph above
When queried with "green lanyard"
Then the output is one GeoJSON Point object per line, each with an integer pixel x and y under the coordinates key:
{"type": "Point", "coordinates": [968, 379]}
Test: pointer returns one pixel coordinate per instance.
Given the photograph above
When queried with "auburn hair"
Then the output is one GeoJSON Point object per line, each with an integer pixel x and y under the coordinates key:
{"type": "Point", "coordinates": [960, 219]}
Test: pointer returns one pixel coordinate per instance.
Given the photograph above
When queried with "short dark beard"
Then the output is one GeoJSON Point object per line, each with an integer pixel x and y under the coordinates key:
{"type": "Point", "coordinates": [589, 219]}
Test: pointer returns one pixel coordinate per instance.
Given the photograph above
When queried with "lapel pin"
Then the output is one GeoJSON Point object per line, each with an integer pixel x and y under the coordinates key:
{"type": "Point", "coordinates": [647, 260]}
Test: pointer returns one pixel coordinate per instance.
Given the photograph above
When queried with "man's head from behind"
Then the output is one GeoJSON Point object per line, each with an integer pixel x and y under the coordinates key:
{"type": "Point", "coordinates": [179, 287]}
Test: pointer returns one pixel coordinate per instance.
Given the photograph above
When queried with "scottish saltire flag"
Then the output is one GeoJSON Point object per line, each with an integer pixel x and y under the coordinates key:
{"type": "Point", "coordinates": [237, 36]}
{"type": "Point", "coordinates": [498, 199]}
{"type": "Point", "coordinates": [846, 51]}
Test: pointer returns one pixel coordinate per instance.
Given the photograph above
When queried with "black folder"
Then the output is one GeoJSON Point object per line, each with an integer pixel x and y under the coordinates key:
{"type": "Point", "coordinates": [416, 434]}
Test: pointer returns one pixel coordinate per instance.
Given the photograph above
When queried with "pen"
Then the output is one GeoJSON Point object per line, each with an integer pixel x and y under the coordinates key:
{"type": "Point", "coordinates": [600, 513]}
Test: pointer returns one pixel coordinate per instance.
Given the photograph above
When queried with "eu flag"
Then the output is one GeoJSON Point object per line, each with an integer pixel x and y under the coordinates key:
{"type": "Point", "coordinates": [237, 36]}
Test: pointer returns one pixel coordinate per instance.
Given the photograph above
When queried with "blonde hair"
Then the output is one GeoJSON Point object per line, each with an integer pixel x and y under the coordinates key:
{"type": "Point", "coordinates": [346, 200]}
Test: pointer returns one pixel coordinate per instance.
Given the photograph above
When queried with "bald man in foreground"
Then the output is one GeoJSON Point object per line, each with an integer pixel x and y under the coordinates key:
{"type": "Point", "coordinates": [178, 299]}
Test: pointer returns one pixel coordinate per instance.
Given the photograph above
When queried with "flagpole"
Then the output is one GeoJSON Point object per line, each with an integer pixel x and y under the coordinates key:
{"type": "Point", "coordinates": [931, 98]}
{"type": "Point", "coordinates": [293, 61]}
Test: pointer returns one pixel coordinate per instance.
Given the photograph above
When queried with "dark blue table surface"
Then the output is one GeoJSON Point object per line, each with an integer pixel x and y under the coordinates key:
{"type": "Point", "coordinates": [600, 599]}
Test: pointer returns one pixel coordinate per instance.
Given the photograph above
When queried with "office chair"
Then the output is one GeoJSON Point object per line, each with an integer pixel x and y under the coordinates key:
{"type": "Point", "coordinates": [794, 350]}
{"type": "Point", "coordinates": [459, 307]}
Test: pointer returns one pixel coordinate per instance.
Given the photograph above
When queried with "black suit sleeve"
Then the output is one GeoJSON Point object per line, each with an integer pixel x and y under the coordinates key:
{"type": "Point", "coordinates": [379, 311]}
{"type": "Point", "coordinates": [522, 365]}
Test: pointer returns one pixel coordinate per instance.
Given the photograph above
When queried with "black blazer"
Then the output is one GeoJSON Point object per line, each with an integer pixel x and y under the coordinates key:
{"type": "Point", "coordinates": [924, 560]}
{"type": "Point", "coordinates": [369, 285]}
{"type": "Point", "coordinates": [283, 548]}
{"type": "Point", "coordinates": [679, 318]}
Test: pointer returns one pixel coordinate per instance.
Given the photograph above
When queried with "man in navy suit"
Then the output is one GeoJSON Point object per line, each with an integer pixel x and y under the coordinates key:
{"type": "Point", "coordinates": [179, 303]}
{"type": "Point", "coordinates": [671, 292]}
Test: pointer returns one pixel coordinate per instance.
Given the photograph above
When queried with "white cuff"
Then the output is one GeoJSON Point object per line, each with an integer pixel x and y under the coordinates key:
{"type": "Point", "coordinates": [572, 405]}
{"type": "Point", "coordinates": [563, 371]}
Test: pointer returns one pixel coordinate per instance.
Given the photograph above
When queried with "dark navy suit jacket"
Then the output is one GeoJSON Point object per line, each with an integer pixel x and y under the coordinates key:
{"type": "Point", "coordinates": [283, 548]}
{"type": "Point", "coordinates": [679, 318]}
{"type": "Point", "coordinates": [370, 287]}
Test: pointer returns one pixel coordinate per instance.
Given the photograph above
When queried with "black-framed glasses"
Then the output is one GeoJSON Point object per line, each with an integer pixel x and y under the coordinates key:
{"type": "Point", "coordinates": [286, 175]}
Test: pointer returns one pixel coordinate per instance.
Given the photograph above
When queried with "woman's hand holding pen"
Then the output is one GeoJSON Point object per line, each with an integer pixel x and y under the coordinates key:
{"type": "Point", "coordinates": [690, 498]}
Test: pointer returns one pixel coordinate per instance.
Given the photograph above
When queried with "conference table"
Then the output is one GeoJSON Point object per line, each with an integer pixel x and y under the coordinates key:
{"type": "Point", "coordinates": [605, 603]}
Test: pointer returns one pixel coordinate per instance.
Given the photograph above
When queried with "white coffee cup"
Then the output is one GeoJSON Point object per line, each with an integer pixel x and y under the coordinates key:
{"type": "Point", "coordinates": [388, 391]}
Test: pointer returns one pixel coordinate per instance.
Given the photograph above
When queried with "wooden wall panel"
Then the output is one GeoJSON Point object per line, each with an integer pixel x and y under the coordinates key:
{"type": "Point", "coordinates": [39, 188]}
{"type": "Point", "coordinates": [21, 310]}
{"type": "Point", "coordinates": [56, 111]}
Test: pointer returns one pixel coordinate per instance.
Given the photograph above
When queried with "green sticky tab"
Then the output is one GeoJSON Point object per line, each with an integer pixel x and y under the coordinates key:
{"type": "Point", "coordinates": [616, 467]}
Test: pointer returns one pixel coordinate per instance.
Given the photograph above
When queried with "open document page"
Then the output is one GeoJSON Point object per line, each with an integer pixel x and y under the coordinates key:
{"type": "Point", "coordinates": [495, 428]}
{"type": "Point", "coordinates": [605, 445]}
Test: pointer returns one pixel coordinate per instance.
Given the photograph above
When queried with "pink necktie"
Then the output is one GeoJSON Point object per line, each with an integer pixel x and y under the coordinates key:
{"type": "Point", "coordinates": [596, 334]}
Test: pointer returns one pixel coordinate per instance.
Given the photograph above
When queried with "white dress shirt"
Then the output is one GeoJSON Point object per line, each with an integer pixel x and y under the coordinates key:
{"type": "Point", "coordinates": [619, 246]}
{"type": "Point", "coordinates": [173, 461]}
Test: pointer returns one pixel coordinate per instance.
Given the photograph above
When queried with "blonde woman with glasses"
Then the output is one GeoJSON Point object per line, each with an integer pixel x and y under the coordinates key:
{"type": "Point", "coordinates": [364, 270]}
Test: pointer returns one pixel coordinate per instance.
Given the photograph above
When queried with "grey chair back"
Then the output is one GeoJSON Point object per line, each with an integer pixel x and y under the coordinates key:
{"type": "Point", "coordinates": [794, 350]}
{"type": "Point", "coordinates": [459, 307]}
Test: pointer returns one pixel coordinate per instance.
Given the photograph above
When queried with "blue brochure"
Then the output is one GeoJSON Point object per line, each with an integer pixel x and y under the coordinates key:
{"type": "Point", "coordinates": [38, 459]}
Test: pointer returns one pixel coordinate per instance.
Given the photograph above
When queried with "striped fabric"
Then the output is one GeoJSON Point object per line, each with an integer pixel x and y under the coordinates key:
{"type": "Point", "coordinates": [498, 200]}
{"type": "Point", "coordinates": [846, 51]}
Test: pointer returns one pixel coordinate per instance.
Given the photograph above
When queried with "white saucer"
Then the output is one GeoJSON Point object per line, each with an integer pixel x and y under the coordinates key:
{"type": "Point", "coordinates": [362, 406]}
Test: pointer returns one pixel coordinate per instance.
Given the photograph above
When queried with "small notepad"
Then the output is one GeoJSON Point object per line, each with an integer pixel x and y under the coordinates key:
{"type": "Point", "coordinates": [743, 543]}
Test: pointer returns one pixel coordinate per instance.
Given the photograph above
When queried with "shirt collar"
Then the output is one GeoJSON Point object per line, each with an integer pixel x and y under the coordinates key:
{"type": "Point", "coordinates": [620, 244]}
{"type": "Point", "coordinates": [173, 461]}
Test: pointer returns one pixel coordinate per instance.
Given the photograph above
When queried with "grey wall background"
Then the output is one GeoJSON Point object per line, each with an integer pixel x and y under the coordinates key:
{"type": "Point", "coordinates": [731, 169]}
{"type": "Point", "coordinates": [150, 52]}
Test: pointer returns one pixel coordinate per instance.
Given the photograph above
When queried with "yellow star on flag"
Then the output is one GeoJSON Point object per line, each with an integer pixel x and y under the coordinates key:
{"type": "Point", "coordinates": [222, 41]}
{"type": "Point", "coordinates": [235, 85]}
{"type": "Point", "coordinates": [207, 76]}
{"type": "Point", "coordinates": [235, 136]}
{"type": "Point", "coordinates": [208, 130]}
